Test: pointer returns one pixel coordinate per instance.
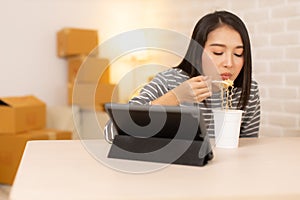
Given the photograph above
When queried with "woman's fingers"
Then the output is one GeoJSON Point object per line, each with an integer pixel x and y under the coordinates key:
{"type": "Point", "coordinates": [193, 90]}
{"type": "Point", "coordinates": [201, 94]}
{"type": "Point", "coordinates": [199, 82]}
{"type": "Point", "coordinates": [200, 88]}
{"type": "Point", "coordinates": [199, 79]}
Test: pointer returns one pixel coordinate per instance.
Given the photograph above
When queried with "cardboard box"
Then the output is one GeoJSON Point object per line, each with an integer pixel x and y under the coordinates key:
{"type": "Point", "coordinates": [92, 69]}
{"type": "Point", "coordinates": [104, 93]}
{"type": "Point", "coordinates": [19, 114]}
{"type": "Point", "coordinates": [12, 147]}
{"type": "Point", "coordinates": [74, 41]}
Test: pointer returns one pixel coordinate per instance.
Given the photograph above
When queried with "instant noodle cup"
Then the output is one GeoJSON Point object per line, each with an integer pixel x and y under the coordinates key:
{"type": "Point", "coordinates": [227, 125]}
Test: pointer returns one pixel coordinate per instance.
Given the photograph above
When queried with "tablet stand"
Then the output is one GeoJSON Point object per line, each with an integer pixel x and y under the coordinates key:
{"type": "Point", "coordinates": [148, 149]}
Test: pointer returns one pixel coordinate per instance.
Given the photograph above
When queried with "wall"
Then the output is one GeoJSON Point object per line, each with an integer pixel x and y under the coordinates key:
{"type": "Point", "coordinates": [28, 44]}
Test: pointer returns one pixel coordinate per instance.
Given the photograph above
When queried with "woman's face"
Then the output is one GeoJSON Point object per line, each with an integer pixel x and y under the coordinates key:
{"type": "Point", "coordinates": [223, 49]}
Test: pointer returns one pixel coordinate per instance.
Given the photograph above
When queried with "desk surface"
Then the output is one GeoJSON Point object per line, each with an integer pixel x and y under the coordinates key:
{"type": "Point", "coordinates": [264, 168]}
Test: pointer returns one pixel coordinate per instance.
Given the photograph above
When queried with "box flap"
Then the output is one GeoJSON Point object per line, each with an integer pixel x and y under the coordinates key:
{"type": "Point", "coordinates": [2, 103]}
{"type": "Point", "coordinates": [20, 101]}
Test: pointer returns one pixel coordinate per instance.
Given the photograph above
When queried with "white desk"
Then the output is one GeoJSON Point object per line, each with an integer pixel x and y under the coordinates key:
{"type": "Point", "coordinates": [264, 168]}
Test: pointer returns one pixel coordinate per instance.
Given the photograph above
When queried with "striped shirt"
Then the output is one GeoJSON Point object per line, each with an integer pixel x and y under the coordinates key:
{"type": "Point", "coordinates": [171, 78]}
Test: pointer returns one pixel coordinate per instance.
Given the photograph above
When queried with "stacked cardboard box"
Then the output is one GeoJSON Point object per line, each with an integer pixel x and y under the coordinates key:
{"type": "Point", "coordinates": [22, 119]}
{"type": "Point", "coordinates": [92, 69]}
{"type": "Point", "coordinates": [89, 83]}
{"type": "Point", "coordinates": [74, 41]}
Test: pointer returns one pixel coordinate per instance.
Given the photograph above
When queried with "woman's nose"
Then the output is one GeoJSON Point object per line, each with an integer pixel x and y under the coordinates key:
{"type": "Point", "coordinates": [228, 60]}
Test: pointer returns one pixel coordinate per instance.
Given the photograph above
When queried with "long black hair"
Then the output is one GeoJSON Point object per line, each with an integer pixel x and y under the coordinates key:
{"type": "Point", "coordinates": [192, 63]}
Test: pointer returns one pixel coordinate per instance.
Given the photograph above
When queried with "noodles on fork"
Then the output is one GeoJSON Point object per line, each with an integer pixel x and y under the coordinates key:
{"type": "Point", "coordinates": [228, 86]}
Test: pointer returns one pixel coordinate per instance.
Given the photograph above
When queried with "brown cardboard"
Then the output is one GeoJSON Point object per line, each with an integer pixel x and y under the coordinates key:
{"type": "Point", "coordinates": [70, 93]}
{"type": "Point", "coordinates": [12, 147]}
{"type": "Point", "coordinates": [92, 69]}
{"type": "Point", "coordinates": [75, 41]}
{"type": "Point", "coordinates": [104, 93]}
{"type": "Point", "coordinates": [23, 113]}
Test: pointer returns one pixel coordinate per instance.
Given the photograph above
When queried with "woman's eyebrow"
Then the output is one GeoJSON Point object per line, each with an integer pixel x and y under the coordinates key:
{"type": "Point", "coordinates": [223, 45]}
{"type": "Point", "coordinates": [218, 45]}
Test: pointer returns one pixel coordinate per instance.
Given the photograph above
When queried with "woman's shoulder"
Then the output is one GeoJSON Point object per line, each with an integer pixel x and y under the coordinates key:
{"type": "Point", "coordinates": [254, 91]}
{"type": "Point", "coordinates": [254, 84]}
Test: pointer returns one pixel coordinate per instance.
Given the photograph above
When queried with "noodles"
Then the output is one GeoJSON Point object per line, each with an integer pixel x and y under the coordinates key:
{"type": "Point", "coordinates": [227, 83]}
{"type": "Point", "coordinates": [230, 96]}
{"type": "Point", "coordinates": [228, 86]}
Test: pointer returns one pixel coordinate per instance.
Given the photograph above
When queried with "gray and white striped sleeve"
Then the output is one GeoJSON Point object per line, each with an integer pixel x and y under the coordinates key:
{"type": "Point", "coordinates": [109, 131]}
{"type": "Point", "coordinates": [154, 89]}
{"type": "Point", "coordinates": [251, 118]}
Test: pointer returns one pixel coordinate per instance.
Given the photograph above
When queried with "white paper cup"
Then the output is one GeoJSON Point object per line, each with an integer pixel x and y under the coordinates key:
{"type": "Point", "coordinates": [227, 128]}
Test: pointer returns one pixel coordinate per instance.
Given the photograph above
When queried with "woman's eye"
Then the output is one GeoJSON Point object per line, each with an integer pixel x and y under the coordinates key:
{"type": "Point", "coordinates": [238, 55]}
{"type": "Point", "coordinates": [218, 53]}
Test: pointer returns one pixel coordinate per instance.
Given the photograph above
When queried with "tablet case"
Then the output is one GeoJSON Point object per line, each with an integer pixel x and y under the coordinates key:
{"type": "Point", "coordinates": [132, 148]}
{"type": "Point", "coordinates": [186, 145]}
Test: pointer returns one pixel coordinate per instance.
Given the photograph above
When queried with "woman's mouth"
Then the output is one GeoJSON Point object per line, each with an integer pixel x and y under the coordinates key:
{"type": "Point", "coordinates": [226, 76]}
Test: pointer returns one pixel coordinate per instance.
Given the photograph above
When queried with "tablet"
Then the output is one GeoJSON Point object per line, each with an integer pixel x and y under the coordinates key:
{"type": "Point", "coordinates": [155, 121]}
{"type": "Point", "coordinates": [166, 134]}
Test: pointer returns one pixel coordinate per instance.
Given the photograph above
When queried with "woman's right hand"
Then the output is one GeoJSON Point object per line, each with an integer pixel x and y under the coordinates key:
{"type": "Point", "coordinates": [194, 90]}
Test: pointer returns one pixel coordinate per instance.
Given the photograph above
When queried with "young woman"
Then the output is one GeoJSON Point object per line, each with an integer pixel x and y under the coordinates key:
{"type": "Point", "coordinates": [220, 38]}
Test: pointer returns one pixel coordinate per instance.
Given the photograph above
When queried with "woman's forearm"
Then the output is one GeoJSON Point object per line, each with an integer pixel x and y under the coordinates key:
{"type": "Point", "coordinates": [168, 99]}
